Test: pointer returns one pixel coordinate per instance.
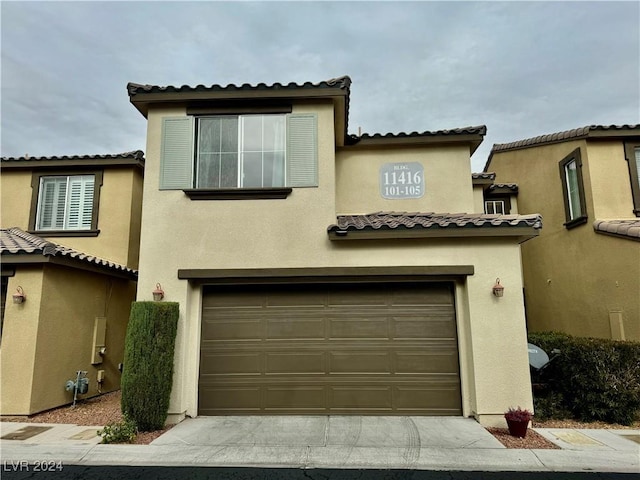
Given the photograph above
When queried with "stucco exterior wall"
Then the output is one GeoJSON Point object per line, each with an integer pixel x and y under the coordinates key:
{"type": "Point", "coordinates": [447, 180]}
{"type": "Point", "coordinates": [574, 278]}
{"type": "Point", "coordinates": [50, 337]}
{"type": "Point", "coordinates": [18, 347]}
{"type": "Point", "coordinates": [118, 217]}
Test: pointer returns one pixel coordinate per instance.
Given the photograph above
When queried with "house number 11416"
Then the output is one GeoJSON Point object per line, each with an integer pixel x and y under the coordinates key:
{"type": "Point", "coordinates": [402, 180]}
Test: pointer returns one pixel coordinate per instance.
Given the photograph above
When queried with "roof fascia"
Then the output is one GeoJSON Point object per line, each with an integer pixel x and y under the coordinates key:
{"type": "Point", "coordinates": [38, 258]}
{"type": "Point", "coordinates": [522, 233]}
{"type": "Point", "coordinates": [28, 164]}
{"type": "Point", "coordinates": [473, 140]}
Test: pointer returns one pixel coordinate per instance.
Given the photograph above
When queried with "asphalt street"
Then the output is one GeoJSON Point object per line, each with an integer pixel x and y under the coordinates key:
{"type": "Point", "coordinates": [111, 472]}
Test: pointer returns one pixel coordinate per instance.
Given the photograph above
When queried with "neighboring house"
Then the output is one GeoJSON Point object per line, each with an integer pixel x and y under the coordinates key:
{"type": "Point", "coordinates": [69, 241]}
{"type": "Point", "coordinates": [582, 276]}
{"type": "Point", "coordinates": [294, 297]}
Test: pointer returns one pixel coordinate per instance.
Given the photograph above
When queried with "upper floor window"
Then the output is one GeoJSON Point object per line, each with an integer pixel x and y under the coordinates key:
{"type": "Point", "coordinates": [245, 151]}
{"type": "Point", "coordinates": [494, 207]}
{"type": "Point", "coordinates": [65, 204]}
{"type": "Point", "coordinates": [573, 189]}
{"type": "Point", "coordinates": [225, 153]}
{"type": "Point", "coordinates": [632, 153]}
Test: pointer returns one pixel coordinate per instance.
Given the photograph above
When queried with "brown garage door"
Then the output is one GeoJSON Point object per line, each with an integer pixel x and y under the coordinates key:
{"type": "Point", "coordinates": [388, 349]}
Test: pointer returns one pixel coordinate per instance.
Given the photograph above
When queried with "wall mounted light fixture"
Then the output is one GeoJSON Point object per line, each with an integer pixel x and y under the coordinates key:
{"type": "Point", "coordinates": [19, 296]}
{"type": "Point", "coordinates": [158, 293]}
{"type": "Point", "coordinates": [498, 290]}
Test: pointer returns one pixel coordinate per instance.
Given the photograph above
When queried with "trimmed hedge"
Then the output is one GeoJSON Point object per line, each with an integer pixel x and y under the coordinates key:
{"type": "Point", "coordinates": [148, 363]}
{"type": "Point", "coordinates": [592, 378]}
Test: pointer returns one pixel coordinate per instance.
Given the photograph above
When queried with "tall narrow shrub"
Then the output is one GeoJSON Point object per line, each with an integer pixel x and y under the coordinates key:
{"type": "Point", "coordinates": [148, 363]}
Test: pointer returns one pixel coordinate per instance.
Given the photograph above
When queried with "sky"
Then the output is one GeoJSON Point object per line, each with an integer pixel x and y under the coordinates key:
{"type": "Point", "coordinates": [523, 69]}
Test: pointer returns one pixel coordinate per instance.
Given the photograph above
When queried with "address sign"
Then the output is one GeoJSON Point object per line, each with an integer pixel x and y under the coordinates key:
{"type": "Point", "coordinates": [402, 180]}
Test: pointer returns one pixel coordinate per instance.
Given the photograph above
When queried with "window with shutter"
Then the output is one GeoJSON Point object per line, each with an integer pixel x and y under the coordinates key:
{"type": "Point", "coordinates": [66, 202]}
{"type": "Point", "coordinates": [226, 152]}
{"type": "Point", "coordinates": [573, 189]}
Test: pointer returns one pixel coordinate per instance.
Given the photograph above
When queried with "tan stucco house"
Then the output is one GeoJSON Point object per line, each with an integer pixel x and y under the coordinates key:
{"type": "Point", "coordinates": [582, 276]}
{"type": "Point", "coordinates": [68, 243]}
{"type": "Point", "coordinates": [319, 272]}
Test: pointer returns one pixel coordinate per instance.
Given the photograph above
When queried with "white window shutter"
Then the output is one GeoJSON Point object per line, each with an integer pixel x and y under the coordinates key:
{"type": "Point", "coordinates": [80, 202]}
{"type": "Point", "coordinates": [52, 203]}
{"type": "Point", "coordinates": [176, 155]}
{"type": "Point", "coordinates": [302, 150]}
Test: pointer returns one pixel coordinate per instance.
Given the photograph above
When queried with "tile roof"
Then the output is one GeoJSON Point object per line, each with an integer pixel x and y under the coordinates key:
{"type": "Point", "coordinates": [504, 186]}
{"type": "Point", "coordinates": [621, 228]}
{"type": "Point", "coordinates": [430, 221]}
{"type": "Point", "coordinates": [483, 176]}
{"type": "Point", "coordinates": [14, 241]}
{"type": "Point", "coordinates": [477, 130]}
{"type": "Point", "coordinates": [343, 82]}
{"type": "Point", "coordinates": [576, 133]}
{"type": "Point", "coordinates": [135, 154]}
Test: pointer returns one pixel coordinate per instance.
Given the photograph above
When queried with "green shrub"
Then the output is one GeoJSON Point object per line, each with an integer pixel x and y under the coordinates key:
{"type": "Point", "coordinates": [593, 378]}
{"type": "Point", "coordinates": [148, 363]}
{"type": "Point", "coordinates": [550, 406]}
{"type": "Point", "coordinates": [119, 432]}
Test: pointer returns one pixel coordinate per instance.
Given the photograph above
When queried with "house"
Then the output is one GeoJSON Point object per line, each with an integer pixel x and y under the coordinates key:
{"type": "Point", "coordinates": [582, 275]}
{"type": "Point", "coordinates": [69, 248]}
{"type": "Point", "coordinates": [312, 273]}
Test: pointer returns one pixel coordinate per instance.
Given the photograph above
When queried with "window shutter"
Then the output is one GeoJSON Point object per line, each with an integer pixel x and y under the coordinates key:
{"type": "Point", "coordinates": [52, 204]}
{"type": "Point", "coordinates": [80, 202]}
{"type": "Point", "coordinates": [302, 150]}
{"type": "Point", "coordinates": [176, 155]}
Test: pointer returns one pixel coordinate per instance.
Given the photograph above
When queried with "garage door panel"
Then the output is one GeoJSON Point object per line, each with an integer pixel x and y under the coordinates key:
{"type": "Point", "coordinates": [226, 328]}
{"type": "Point", "coordinates": [419, 327]}
{"type": "Point", "coordinates": [296, 327]}
{"type": "Point", "coordinates": [365, 327]}
{"type": "Point", "coordinates": [426, 362]}
{"type": "Point", "coordinates": [302, 397]}
{"type": "Point", "coordinates": [295, 362]}
{"type": "Point", "coordinates": [359, 362]}
{"type": "Point", "coordinates": [230, 398]}
{"type": "Point", "coordinates": [360, 397]}
{"type": "Point", "coordinates": [230, 364]}
{"type": "Point", "coordinates": [434, 399]}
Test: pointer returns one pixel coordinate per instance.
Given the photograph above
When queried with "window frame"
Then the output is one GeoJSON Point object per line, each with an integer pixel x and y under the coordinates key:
{"type": "Point", "coordinates": [634, 168]}
{"type": "Point", "coordinates": [241, 150]}
{"type": "Point", "coordinates": [505, 200]}
{"type": "Point", "coordinates": [576, 157]}
{"type": "Point", "coordinates": [494, 202]}
{"type": "Point", "coordinates": [35, 194]}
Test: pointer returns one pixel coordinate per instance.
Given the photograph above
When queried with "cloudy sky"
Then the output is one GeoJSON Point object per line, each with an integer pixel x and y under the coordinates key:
{"type": "Point", "coordinates": [521, 68]}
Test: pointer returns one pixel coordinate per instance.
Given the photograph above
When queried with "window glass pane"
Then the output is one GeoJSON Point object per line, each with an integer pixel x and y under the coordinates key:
{"type": "Point", "coordinates": [573, 191]}
{"type": "Point", "coordinates": [274, 137]}
{"type": "Point", "coordinates": [208, 170]}
{"type": "Point", "coordinates": [252, 133]}
{"type": "Point", "coordinates": [51, 204]}
{"type": "Point", "coordinates": [273, 169]}
{"type": "Point", "coordinates": [228, 135]}
{"type": "Point", "coordinates": [251, 170]}
{"type": "Point", "coordinates": [637, 152]}
{"type": "Point", "coordinates": [229, 170]}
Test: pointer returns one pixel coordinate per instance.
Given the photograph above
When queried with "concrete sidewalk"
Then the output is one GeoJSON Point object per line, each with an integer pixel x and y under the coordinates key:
{"type": "Point", "coordinates": [423, 443]}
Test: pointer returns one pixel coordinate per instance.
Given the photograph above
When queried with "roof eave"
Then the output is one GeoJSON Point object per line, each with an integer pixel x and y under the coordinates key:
{"type": "Point", "coordinates": [523, 233]}
{"type": "Point", "coordinates": [473, 140]}
{"type": "Point", "coordinates": [9, 258]}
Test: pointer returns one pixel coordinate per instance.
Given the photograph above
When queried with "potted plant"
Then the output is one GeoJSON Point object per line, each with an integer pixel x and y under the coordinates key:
{"type": "Point", "coordinates": [518, 421]}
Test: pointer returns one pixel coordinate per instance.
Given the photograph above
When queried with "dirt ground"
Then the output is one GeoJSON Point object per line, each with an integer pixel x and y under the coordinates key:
{"type": "Point", "coordinates": [105, 409]}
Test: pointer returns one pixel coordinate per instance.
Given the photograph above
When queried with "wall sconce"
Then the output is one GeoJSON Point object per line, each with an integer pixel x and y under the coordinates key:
{"type": "Point", "coordinates": [498, 290]}
{"type": "Point", "coordinates": [19, 296]}
{"type": "Point", "coordinates": [158, 293]}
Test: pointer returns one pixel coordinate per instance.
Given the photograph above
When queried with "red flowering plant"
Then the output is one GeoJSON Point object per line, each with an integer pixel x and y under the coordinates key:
{"type": "Point", "coordinates": [518, 414]}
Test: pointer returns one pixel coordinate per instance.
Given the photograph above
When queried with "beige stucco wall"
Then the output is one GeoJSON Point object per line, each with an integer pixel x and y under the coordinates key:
{"type": "Point", "coordinates": [59, 314]}
{"type": "Point", "coordinates": [575, 278]}
{"type": "Point", "coordinates": [118, 217]}
{"type": "Point", "coordinates": [447, 180]}
{"type": "Point", "coordinates": [18, 348]}
{"type": "Point", "coordinates": [478, 199]}
{"type": "Point", "coordinates": [179, 233]}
